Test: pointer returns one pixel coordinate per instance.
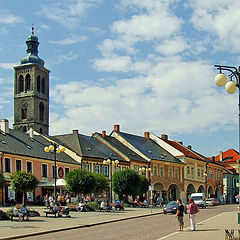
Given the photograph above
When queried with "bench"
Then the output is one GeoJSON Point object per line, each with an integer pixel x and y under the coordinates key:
{"type": "Point", "coordinates": [120, 206]}
{"type": "Point", "coordinates": [59, 214]}
{"type": "Point", "coordinates": [15, 216]}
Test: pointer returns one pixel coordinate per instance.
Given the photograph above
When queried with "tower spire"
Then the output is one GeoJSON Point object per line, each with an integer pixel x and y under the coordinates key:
{"type": "Point", "coordinates": [32, 29]}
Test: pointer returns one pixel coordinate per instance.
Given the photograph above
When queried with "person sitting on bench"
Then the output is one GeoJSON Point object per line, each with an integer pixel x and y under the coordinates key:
{"type": "Point", "coordinates": [17, 212]}
{"type": "Point", "coordinates": [25, 212]}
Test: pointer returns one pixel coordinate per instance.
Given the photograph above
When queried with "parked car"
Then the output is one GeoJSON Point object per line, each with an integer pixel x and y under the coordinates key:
{"type": "Point", "coordinates": [211, 202]}
{"type": "Point", "coordinates": [171, 207]}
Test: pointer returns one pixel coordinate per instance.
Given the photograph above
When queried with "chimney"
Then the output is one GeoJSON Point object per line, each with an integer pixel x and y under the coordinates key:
{"type": "Point", "coordinates": [189, 147]}
{"type": "Point", "coordinates": [213, 158]}
{"type": "Point", "coordinates": [117, 127]}
{"type": "Point", "coordinates": [164, 137]}
{"type": "Point", "coordinates": [221, 156]}
{"type": "Point", "coordinates": [4, 125]}
{"type": "Point", "coordinates": [104, 133]}
{"type": "Point", "coordinates": [75, 131]}
{"type": "Point", "coordinates": [180, 143]}
{"type": "Point", "coordinates": [146, 135]}
{"type": "Point", "coordinates": [31, 132]}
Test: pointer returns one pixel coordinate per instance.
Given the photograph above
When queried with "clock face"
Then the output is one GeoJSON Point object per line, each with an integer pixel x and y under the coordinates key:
{"type": "Point", "coordinates": [25, 104]}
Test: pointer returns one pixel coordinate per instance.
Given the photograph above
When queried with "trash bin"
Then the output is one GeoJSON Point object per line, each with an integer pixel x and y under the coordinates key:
{"type": "Point", "coordinates": [239, 218]}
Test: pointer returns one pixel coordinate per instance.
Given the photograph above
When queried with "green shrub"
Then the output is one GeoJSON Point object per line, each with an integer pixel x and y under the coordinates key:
{"type": "Point", "coordinates": [92, 206]}
{"type": "Point", "coordinates": [4, 216]}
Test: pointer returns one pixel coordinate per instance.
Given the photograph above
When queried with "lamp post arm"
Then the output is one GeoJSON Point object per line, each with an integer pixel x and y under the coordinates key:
{"type": "Point", "coordinates": [235, 72]}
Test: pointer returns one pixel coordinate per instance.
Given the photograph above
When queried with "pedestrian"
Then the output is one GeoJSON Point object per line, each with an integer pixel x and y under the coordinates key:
{"type": "Point", "coordinates": [192, 210]}
{"type": "Point", "coordinates": [25, 212]}
{"type": "Point", "coordinates": [179, 214]}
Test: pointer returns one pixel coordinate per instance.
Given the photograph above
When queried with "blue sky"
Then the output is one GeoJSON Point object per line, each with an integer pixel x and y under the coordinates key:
{"type": "Point", "coordinates": [147, 65]}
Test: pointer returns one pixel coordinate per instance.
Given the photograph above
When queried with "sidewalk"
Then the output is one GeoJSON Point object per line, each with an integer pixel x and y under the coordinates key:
{"type": "Point", "coordinates": [40, 225]}
{"type": "Point", "coordinates": [212, 228]}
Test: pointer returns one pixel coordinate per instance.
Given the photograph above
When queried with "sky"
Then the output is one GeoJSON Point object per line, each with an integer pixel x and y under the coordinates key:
{"type": "Point", "coordinates": [147, 65]}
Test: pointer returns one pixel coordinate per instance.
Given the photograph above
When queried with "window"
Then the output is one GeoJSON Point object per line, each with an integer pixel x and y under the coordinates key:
{"type": "Point", "coordinates": [202, 173]}
{"type": "Point", "coordinates": [176, 173]}
{"type": "Point", "coordinates": [105, 170]}
{"type": "Point", "coordinates": [219, 176]}
{"type": "Point", "coordinates": [7, 165]}
{"type": "Point", "coordinates": [170, 172]}
{"type": "Point", "coordinates": [18, 165]}
{"type": "Point", "coordinates": [97, 169]}
{"type": "Point", "coordinates": [210, 174]}
{"type": "Point", "coordinates": [161, 172]}
{"type": "Point", "coordinates": [117, 169]}
{"type": "Point", "coordinates": [24, 113]}
{"type": "Point", "coordinates": [87, 167]}
{"type": "Point", "coordinates": [53, 175]}
{"type": "Point", "coordinates": [21, 84]}
{"type": "Point", "coordinates": [41, 111]}
{"type": "Point", "coordinates": [188, 171]}
{"type": "Point", "coordinates": [43, 85]}
{"type": "Point", "coordinates": [216, 175]}
{"type": "Point", "coordinates": [192, 170]}
{"type": "Point", "coordinates": [199, 172]}
{"type": "Point", "coordinates": [44, 170]}
{"type": "Point", "coordinates": [29, 167]}
{"type": "Point", "coordinates": [38, 83]}
{"type": "Point", "coordinates": [66, 171]}
{"type": "Point", "coordinates": [28, 83]}
{"type": "Point", "coordinates": [155, 172]}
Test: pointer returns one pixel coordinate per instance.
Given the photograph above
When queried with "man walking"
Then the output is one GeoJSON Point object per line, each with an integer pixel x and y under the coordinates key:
{"type": "Point", "coordinates": [179, 214]}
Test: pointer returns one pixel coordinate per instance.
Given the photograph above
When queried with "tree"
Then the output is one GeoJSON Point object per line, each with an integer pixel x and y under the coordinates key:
{"type": "Point", "coordinates": [101, 183]}
{"type": "Point", "coordinates": [126, 182]}
{"type": "Point", "coordinates": [2, 181]}
{"type": "Point", "coordinates": [144, 184]}
{"type": "Point", "coordinates": [23, 182]}
{"type": "Point", "coordinates": [80, 181]}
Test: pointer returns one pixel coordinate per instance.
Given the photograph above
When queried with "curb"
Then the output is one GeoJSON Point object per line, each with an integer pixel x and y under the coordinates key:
{"type": "Point", "coordinates": [76, 227]}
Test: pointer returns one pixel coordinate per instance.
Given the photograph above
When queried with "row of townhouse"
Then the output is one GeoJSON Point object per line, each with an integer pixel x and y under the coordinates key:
{"type": "Point", "coordinates": [175, 171]}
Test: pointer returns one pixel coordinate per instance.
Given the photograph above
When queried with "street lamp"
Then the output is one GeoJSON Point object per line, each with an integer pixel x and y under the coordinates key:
{"type": "Point", "coordinates": [231, 87]}
{"type": "Point", "coordinates": [54, 148]}
{"type": "Point", "coordinates": [110, 163]}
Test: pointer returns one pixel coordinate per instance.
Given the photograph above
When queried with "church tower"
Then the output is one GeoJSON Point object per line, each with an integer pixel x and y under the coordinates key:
{"type": "Point", "coordinates": [31, 91]}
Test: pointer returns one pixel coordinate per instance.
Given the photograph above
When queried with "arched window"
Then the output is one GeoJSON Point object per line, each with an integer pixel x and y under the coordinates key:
{"type": "Point", "coordinates": [38, 83]}
{"type": "Point", "coordinates": [41, 130]}
{"type": "Point", "coordinates": [20, 84]}
{"type": "Point", "coordinates": [43, 85]}
{"type": "Point", "coordinates": [27, 83]}
{"type": "Point", "coordinates": [24, 129]}
{"type": "Point", "coordinates": [24, 113]}
{"type": "Point", "coordinates": [41, 111]}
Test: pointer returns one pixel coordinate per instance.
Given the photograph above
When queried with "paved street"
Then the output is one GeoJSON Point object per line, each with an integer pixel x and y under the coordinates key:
{"type": "Point", "coordinates": [151, 227]}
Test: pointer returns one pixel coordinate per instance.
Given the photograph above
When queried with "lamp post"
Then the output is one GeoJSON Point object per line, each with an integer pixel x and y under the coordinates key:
{"type": "Point", "coordinates": [148, 169]}
{"type": "Point", "coordinates": [54, 148]}
{"type": "Point", "coordinates": [231, 87]}
{"type": "Point", "coordinates": [110, 163]}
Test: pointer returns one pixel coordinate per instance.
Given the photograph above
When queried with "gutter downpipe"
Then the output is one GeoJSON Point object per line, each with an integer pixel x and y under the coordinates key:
{"type": "Point", "coordinates": [3, 193]}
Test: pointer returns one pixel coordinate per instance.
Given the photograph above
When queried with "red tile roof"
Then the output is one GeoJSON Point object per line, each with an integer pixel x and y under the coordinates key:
{"type": "Point", "coordinates": [229, 156]}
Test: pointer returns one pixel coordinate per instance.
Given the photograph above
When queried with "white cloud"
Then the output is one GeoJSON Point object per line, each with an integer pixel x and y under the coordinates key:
{"type": "Point", "coordinates": [44, 26]}
{"type": "Point", "coordinates": [65, 57]}
{"type": "Point", "coordinates": [172, 46]}
{"type": "Point", "coordinates": [67, 12]}
{"type": "Point", "coordinates": [9, 19]}
{"type": "Point", "coordinates": [114, 63]}
{"type": "Point", "coordinates": [8, 65]}
{"type": "Point", "coordinates": [218, 18]}
{"type": "Point", "coordinates": [73, 39]}
{"type": "Point", "coordinates": [96, 31]}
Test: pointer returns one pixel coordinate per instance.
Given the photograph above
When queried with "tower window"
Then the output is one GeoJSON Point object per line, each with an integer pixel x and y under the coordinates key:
{"type": "Point", "coordinates": [43, 85]}
{"type": "Point", "coordinates": [21, 84]}
{"type": "Point", "coordinates": [41, 111]}
{"type": "Point", "coordinates": [28, 83]}
{"type": "Point", "coordinates": [24, 113]}
{"type": "Point", "coordinates": [41, 131]}
{"type": "Point", "coordinates": [24, 129]}
{"type": "Point", "coordinates": [38, 83]}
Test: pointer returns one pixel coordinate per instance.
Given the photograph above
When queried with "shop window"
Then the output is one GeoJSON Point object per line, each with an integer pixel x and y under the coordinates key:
{"type": "Point", "coordinates": [66, 171]}
{"type": "Point", "coordinates": [54, 173]}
